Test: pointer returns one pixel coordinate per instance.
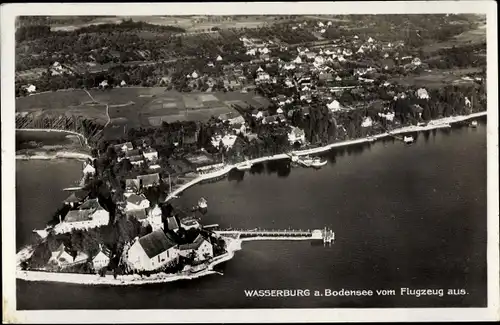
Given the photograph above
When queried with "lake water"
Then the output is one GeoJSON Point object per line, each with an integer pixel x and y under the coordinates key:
{"type": "Point", "coordinates": [404, 216]}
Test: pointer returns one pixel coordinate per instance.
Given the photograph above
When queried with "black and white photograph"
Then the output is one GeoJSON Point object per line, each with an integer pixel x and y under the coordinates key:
{"type": "Point", "coordinates": [261, 162]}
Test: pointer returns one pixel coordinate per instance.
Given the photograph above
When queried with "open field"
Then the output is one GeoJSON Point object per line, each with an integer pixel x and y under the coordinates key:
{"type": "Point", "coordinates": [138, 107]}
{"type": "Point", "coordinates": [437, 78]}
{"type": "Point", "coordinates": [72, 102]}
{"type": "Point", "coordinates": [474, 36]}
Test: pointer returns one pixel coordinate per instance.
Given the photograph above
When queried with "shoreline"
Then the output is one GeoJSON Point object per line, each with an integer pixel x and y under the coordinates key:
{"type": "Point", "coordinates": [124, 280]}
{"type": "Point", "coordinates": [39, 155]}
{"type": "Point", "coordinates": [233, 245]}
{"type": "Point", "coordinates": [431, 125]}
{"type": "Point", "coordinates": [81, 136]}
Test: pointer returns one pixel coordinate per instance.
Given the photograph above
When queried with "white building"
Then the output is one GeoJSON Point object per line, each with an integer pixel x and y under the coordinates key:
{"type": "Point", "coordinates": [422, 93]}
{"type": "Point", "coordinates": [104, 84]}
{"type": "Point", "coordinates": [125, 147]}
{"type": "Point", "coordinates": [150, 154]}
{"type": "Point", "coordinates": [88, 169]}
{"type": "Point", "coordinates": [333, 106]}
{"type": "Point", "coordinates": [31, 89]}
{"type": "Point", "coordinates": [219, 58]}
{"type": "Point", "coordinates": [367, 122]}
{"type": "Point", "coordinates": [89, 215]}
{"type": "Point", "coordinates": [228, 140]}
{"type": "Point", "coordinates": [388, 116]}
{"type": "Point", "coordinates": [154, 218]}
{"type": "Point", "coordinates": [190, 223]}
{"type": "Point", "coordinates": [201, 248]}
{"type": "Point", "coordinates": [102, 258]}
{"type": "Point", "coordinates": [136, 202]}
{"type": "Point", "coordinates": [152, 251]}
{"type": "Point", "coordinates": [251, 52]}
{"type": "Point", "coordinates": [296, 135]}
{"type": "Point", "coordinates": [297, 60]}
{"type": "Point", "coordinates": [194, 75]}
{"type": "Point", "coordinates": [62, 258]}
{"type": "Point", "coordinates": [123, 83]}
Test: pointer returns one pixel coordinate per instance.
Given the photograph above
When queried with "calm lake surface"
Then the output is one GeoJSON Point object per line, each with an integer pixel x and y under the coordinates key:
{"type": "Point", "coordinates": [404, 216]}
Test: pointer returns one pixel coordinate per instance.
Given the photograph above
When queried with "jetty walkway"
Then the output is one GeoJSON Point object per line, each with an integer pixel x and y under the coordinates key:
{"type": "Point", "coordinates": [326, 235]}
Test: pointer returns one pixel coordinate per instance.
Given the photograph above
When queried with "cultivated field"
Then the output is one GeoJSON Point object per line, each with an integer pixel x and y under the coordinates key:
{"type": "Point", "coordinates": [71, 102]}
{"type": "Point", "coordinates": [437, 78]}
{"type": "Point", "coordinates": [139, 107]}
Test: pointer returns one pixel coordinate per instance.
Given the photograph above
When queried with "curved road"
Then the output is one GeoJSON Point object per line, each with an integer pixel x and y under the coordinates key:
{"type": "Point", "coordinates": [107, 110]}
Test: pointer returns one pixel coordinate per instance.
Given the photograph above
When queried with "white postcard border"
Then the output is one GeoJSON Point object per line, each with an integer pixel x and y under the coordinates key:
{"type": "Point", "coordinates": [10, 11]}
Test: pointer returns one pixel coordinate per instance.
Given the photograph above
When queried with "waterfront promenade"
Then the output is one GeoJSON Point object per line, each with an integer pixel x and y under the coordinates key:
{"type": "Point", "coordinates": [435, 124]}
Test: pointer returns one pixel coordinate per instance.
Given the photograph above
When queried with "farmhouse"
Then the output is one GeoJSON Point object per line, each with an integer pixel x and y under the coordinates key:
{"type": "Point", "coordinates": [201, 247]}
{"type": "Point", "coordinates": [89, 215]}
{"type": "Point", "coordinates": [153, 251]}
{"type": "Point", "coordinates": [334, 106]}
{"type": "Point", "coordinates": [102, 258]}
{"type": "Point", "coordinates": [136, 202]}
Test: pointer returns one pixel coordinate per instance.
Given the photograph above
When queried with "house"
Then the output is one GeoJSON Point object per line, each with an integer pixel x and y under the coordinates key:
{"type": "Point", "coordinates": [88, 169]}
{"type": "Point", "coordinates": [273, 119]}
{"type": "Point", "coordinates": [136, 202]}
{"type": "Point", "coordinates": [104, 84]}
{"type": "Point", "coordinates": [289, 66]}
{"type": "Point", "coordinates": [227, 140]}
{"type": "Point", "coordinates": [149, 180]}
{"type": "Point", "coordinates": [131, 186]}
{"type": "Point", "coordinates": [265, 57]}
{"type": "Point", "coordinates": [123, 83]}
{"type": "Point", "coordinates": [334, 106]}
{"type": "Point", "coordinates": [102, 258]}
{"type": "Point", "coordinates": [154, 218]}
{"type": "Point", "coordinates": [125, 147]}
{"type": "Point", "coordinates": [136, 160]}
{"type": "Point", "coordinates": [296, 135]}
{"type": "Point", "coordinates": [63, 258]}
{"type": "Point", "coordinates": [237, 120]}
{"type": "Point", "coordinates": [201, 247]}
{"type": "Point", "coordinates": [297, 60]}
{"type": "Point", "coordinates": [367, 122]}
{"type": "Point", "coordinates": [150, 154]}
{"type": "Point", "coordinates": [152, 251]}
{"type": "Point", "coordinates": [422, 93]}
{"type": "Point", "coordinates": [251, 52]}
{"type": "Point", "coordinates": [219, 58]}
{"type": "Point", "coordinates": [210, 64]}
{"type": "Point", "coordinates": [190, 223]}
{"type": "Point", "coordinates": [89, 215]}
{"type": "Point", "coordinates": [31, 89]}
{"type": "Point", "coordinates": [77, 197]}
{"type": "Point", "coordinates": [172, 224]}
{"type": "Point", "coordinates": [194, 75]}
{"type": "Point", "coordinates": [138, 214]}
{"type": "Point", "coordinates": [281, 99]}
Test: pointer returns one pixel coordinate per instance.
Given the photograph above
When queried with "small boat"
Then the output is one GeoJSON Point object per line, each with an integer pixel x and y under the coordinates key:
{"type": "Point", "coordinates": [316, 163]}
{"type": "Point", "coordinates": [408, 140]}
{"type": "Point", "coordinates": [244, 166]}
{"type": "Point", "coordinates": [473, 124]}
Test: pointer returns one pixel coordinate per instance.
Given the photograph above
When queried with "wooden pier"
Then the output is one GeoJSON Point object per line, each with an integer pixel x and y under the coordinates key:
{"type": "Point", "coordinates": [326, 235]}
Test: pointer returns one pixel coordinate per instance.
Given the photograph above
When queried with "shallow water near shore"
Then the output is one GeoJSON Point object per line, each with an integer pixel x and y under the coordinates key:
{"type": "Point", "coordinates": [404, 216]}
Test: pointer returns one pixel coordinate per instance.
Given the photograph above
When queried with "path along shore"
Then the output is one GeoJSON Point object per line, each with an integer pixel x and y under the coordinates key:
{"type": "Point", "coordinates": [233, 245]}
{"type": "Point", "coordinates": [435, 124]}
